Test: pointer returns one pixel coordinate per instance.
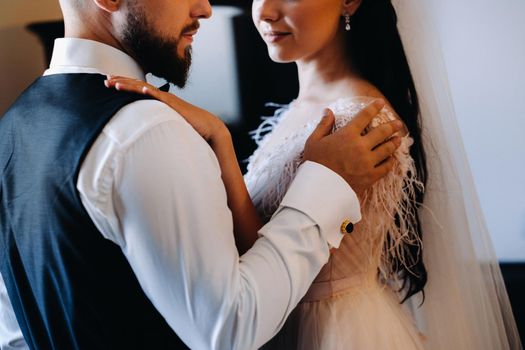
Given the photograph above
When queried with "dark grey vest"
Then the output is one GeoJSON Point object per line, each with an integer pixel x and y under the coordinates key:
{"type": "Point", "coordinates": [70, 288]}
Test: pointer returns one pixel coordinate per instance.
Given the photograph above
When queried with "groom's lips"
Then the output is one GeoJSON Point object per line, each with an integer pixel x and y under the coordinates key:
{"type": "Point", "coordinates": [189, 31]}
{"type": "Point", "coordinates": [189, 35]}
{"type": "Point", "coordinates": [275, 36]}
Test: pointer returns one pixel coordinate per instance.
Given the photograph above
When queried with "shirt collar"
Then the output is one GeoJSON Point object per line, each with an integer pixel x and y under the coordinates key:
{"type": "Point", "coordinates": [74, 54]}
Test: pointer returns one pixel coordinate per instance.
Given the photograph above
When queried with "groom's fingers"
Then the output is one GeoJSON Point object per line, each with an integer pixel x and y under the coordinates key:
{"type": "Point", "coordinates": [386, 149]}
{"type": "Point", "coordinates": [384, 167]}
{"type": "Point", "coordinates": [382, 132]}
{"type": "Point", "coordinates": [324, 127]}
{"type": "Point", "coordinates": [365, 116]}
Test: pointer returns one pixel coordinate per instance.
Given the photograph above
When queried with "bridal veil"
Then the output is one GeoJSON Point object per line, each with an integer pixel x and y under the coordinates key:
{"type": "Point", "coordinates": [466, 304]}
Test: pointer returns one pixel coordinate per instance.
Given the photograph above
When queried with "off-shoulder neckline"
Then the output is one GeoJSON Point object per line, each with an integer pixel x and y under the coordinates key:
{"type": "Point", "coordinates": [340, 99]}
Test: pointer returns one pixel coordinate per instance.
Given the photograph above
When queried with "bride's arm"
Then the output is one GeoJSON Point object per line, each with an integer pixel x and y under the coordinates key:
{"type": "Point", "coordinates": [245, 218]}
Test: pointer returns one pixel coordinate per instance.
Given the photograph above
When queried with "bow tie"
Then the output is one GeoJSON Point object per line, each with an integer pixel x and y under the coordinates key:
{"type": "Point", "coordinates": [165, 87]}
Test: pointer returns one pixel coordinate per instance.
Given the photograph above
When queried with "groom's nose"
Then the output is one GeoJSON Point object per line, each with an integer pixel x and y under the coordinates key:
{"type": "Point", "coordinates": [201, 9]}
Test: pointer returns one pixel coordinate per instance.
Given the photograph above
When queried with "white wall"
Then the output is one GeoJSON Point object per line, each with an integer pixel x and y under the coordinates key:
{"type": "Point", "coordinates": [19, 12]}
{"type": "Point", "coordinates": [484, 49]}
{"type": "Point", "coordinates": [21, 55]}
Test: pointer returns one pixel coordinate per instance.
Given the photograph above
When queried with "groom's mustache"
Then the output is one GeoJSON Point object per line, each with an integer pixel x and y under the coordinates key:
{"type": "Point", "coordinates": [191, 28]}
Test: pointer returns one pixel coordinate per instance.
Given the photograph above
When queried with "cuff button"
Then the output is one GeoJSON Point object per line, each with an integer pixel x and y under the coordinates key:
{"type": "Point", "coordinates": [347, 227]}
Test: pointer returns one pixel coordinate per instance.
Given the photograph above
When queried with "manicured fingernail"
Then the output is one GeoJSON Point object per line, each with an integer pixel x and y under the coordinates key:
{"type": "Point", "coordinates": [398, 124]}
{"type": "Point", "coordinates": [106, 82]}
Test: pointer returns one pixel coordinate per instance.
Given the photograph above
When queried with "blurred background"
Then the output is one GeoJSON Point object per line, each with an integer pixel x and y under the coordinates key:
{"type": "Point", "coordinates": [484, 48]}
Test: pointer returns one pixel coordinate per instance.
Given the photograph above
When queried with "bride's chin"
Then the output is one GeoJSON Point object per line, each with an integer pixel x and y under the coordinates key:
{"type": "Point", "coordinates": [278, 57]}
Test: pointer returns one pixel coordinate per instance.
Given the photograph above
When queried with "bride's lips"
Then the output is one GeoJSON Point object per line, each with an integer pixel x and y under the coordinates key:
{"type": "Point", "coordinates": [275, 36]}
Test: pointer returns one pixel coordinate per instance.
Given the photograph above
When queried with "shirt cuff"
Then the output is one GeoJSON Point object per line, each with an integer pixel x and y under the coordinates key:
{"type": "Point", "coordinates": [325, 197]}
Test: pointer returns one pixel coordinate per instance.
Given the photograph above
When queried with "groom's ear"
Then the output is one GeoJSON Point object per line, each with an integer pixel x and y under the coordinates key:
{"type": "Point", "coordinates": [350, 6]}
{"type": "Point", "coordinates": [108, 5]}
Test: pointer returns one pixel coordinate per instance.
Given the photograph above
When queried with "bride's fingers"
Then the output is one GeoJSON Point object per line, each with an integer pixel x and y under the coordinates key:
{"type": "Point", "coordinates": [127, 82]}
{"type": "Point", "coordinates": [112, 80]}
{"type": "Point", "coordinates": [142, 87]}
{"type": "Point", "coordinates": [110, 77]}
{"type": "Point", "coordinates": [131, 85]}
{"type": "Point", "coordinates": [127, 86]}
{"type": "Point", "coordinates": [135, 85]}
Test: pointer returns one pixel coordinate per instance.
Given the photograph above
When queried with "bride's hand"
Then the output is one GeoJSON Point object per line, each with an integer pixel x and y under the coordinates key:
{"type": "Point", "coordinates": [209, 126]}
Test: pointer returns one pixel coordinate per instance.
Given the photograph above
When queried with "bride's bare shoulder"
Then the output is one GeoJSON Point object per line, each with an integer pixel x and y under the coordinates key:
{"type": "Point", "coordinates": [363, 88]}
{"type": "Point", "coordinates": [360, 87]}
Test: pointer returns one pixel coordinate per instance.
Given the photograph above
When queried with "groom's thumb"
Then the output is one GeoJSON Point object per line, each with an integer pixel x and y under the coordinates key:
{"type": "Point", "coordinates": [325, 126]}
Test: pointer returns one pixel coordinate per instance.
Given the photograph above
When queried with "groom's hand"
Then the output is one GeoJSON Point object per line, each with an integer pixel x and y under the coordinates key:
{"type": "Point", "coordinates": [361, 159]}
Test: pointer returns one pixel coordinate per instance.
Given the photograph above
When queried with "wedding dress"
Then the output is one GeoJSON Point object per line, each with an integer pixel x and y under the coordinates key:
{"type": "Point", "coordinates": [353, 303]}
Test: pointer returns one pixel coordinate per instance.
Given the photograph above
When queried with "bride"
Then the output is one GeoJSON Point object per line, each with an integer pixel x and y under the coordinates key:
{"type": "Point", "coordinates": [419, 270]}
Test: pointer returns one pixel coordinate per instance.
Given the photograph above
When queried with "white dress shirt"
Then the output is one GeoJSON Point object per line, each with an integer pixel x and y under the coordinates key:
{"type": "Point", "coordinates": [153, 186]}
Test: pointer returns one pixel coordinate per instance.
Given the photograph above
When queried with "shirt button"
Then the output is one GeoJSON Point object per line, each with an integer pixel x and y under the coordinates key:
{"type": "Point", "coordinates": [347, 227]}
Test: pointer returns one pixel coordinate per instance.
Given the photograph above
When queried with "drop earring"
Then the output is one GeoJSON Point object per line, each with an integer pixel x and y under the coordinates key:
{"type": "Point", "coordinates": [347, 22]}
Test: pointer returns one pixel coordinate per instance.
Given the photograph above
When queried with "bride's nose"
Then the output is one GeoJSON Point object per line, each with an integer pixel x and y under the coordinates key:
{"type": "Point", "coordinates": [266, 10]}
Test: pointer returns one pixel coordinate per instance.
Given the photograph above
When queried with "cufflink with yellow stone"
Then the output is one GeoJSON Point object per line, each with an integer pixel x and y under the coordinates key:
{"type": "Point", "coordinates": [347, 227]}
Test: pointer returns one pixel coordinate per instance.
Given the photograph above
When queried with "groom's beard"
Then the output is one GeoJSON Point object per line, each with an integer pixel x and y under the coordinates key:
{"type": "Point", "coordinates": [155, 54]}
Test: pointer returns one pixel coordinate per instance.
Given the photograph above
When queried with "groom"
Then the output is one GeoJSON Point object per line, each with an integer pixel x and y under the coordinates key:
{"type": "Point", "coordinates": [114, 226]}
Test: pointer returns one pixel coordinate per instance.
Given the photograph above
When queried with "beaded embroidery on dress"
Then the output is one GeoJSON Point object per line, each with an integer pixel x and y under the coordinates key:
{"type": "Point", "coordinates": [351, 304]}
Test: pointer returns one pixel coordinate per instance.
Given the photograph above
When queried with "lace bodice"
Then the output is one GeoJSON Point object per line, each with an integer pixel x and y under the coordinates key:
{"type": "Point", "coordinates": [273, 166]}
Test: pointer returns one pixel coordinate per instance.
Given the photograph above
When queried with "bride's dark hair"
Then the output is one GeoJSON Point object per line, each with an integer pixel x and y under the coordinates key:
{"type": "Point", "coordinates": [376, 52]}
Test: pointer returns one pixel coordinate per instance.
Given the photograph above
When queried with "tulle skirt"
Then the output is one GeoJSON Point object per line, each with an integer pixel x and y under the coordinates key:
{"type": "Point", "coordinates": [365, 317]}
